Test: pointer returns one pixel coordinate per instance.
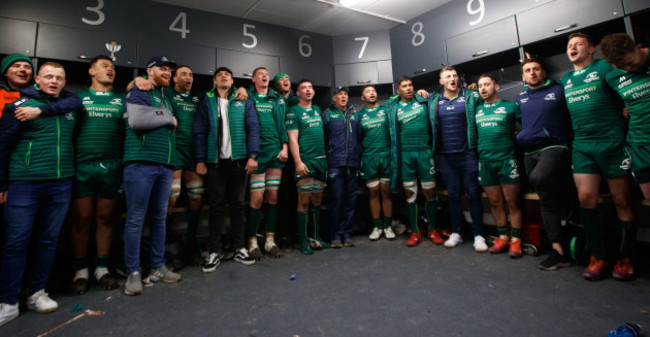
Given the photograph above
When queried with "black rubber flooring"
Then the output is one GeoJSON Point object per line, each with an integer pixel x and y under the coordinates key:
{"type": "Point", "coordinates": [378, 288]}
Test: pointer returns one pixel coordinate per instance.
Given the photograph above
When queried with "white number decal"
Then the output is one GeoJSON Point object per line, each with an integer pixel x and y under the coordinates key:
{"type": "Point", "coordinates": [251, 35]}
{"type": "Point", "coordinates": [418, 37]}
{"type": "Point", "coordinates": [365, 43]}
{"type": "Point", "coordinates": [97, 10]}
{"type": "Point", "coordinates": [304, 47]}
{"type": "Point", "coordinates": [480, 11]}
{"type": "Point", "coordinates": [182, 17]}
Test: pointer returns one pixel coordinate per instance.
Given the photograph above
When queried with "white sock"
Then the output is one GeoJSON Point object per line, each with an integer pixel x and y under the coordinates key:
{"type": "Point", "coordinates": [252, 243]}
{"type": "Point", "coordinates": [100, 272]}
{"type": "Point", "coordinates": [81, 273]}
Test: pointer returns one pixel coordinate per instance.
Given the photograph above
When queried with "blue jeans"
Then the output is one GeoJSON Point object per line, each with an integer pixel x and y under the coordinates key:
{"type": "Point", "coordinates": [457, 168]}
{"type": "Point", "coordinates": [38, 208]}
{"type": "Point", "coordinates": [343, 184]}
{"type": "Point", "coordinates": [146, 186]}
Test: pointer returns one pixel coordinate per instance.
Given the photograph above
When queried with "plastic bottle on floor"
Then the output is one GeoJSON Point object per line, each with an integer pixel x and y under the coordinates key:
{"type": "Point", "coordinates": [626, 330]}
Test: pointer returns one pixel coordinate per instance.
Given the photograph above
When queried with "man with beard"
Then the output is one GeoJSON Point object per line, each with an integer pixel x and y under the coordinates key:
{"type": "Point", "coordinates": [498, 172]}
{"type": "Point", "coordinates": [375, 161]}
{"type": "Point", "coordinates": [148, 174]}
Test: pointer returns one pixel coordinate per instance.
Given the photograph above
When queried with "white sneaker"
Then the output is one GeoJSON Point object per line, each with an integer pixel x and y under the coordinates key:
{"type": "Point", "coordinates": [389, 234]}
{"type": "Point", "coordinates": [454, 240]}
{"type": "Point", "coordinates": [8, 312]}
{"type": "Point", "coordinates": [376, 234]}
{"type": "Point", "coordinates": [42, 303]}
{"type": "Point", "coordinates": [479, 244]}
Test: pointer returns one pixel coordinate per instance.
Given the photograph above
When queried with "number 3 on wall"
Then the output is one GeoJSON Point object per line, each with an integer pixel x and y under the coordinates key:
{"type": "Point", "coordinates": [97, 10]}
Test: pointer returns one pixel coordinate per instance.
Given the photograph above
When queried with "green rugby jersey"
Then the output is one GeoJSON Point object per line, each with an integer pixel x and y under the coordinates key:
{"type": "Point", "coordinates": [100, 126]}
{"type": "Point", "coordinates": [374, 131]}
{"type": "Point", "coordinates": [595, 109]}
{"type": "Point", "coordinates": [183, 105]}
{"type": "Point", "coordinates": [495, 123]}
{"type": "Point", "coordinates": [309, 124]}
{"type": "Point", "coordinates": [413, 120]}
{"type": "Point", "coordinates": [268, 130]}
{"type": "Point", "coordinates": [634, 88]}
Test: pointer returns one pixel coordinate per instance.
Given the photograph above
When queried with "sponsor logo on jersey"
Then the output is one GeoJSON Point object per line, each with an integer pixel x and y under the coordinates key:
{"type": "Point", "coordinates": [195, 99]}
{"type": "Point", "coordinates": [365, 117]}
{"type": "Point", "coordinates": [550, 96]}
{"type": "Point", "coordinates": [20, 101]}
{"type": "Point", "coordinates": [87, 98]}
{"type": "Point", "coordinates": [623, 82]}
{"type": "Point", "coordinates": [621, 79]}
{"type": "Point", "coordinates": [568, 85]}
{"type": "Point", "coordinates": [500, 110]}
{"type": "Point", "coordinates": [480, 113]}
{"type": "Point", "coordinates": [103, 93]}
{"type": "Point", "coordinates": [451, 107]}
{"type": "Point", "coordinates": [69, 116]}
{"type": "Point", "coordinates": [593, 76]}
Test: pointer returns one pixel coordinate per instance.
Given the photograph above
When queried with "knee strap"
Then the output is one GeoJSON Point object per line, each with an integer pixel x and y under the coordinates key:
{"type": "Point", "coordinates": [195, 189]}
{"type": "Point", "coordinates": [176, 187]}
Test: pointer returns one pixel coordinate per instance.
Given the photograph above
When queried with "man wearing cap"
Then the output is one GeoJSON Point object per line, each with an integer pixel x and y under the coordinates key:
{"type": "Point", "coordinates": [340, 127]}
{"type": "Point", "coordinates": [36, 170]}
{"type": "Point", "coordinates": [226, 147]}
{"type": "Point", "coordinates": [148, 160]}
{"type": "Point", "coordinates": [264, 183]}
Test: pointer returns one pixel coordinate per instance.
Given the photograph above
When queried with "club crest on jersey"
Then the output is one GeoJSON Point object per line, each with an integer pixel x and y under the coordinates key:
{"type": "Point", "coordinates": [500, 110]}
{"type": "Point", "coordinates": [69, 116]}
{"type": "Point", "coordinates": [239, 103]}
{"type": "Point", "coordinates": [523, 100]}
{"type": "Point", "coordinates": [550, 96]}
{"type": "Point", "coordinates": [593, 76]}
{"type": "Point", "coordinates": [461, 99]}
{"type": "Point", "coordinates": [625, 164]}
{"type": "Point", "coordinates": [116, 101]}
{"type": "Point", "coordinates": [381, 113]}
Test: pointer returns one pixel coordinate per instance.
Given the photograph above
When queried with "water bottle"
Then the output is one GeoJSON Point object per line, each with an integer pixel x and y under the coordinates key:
{"type": "Point", "coordinates": [626, 330]}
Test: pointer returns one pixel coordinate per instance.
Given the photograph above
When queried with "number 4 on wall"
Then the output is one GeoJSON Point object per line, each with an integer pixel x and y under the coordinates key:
{"type": "Point", "coordinates": [174, 27]}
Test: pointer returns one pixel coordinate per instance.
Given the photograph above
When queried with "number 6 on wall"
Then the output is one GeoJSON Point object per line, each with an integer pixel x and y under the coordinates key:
{"type": "Point", "coordinates": [251, 35]}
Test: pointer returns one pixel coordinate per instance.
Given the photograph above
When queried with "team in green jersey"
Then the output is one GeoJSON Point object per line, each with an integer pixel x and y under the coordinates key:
{"type": "Point", "coordinates": [375, 161]}
{"type": "Point", "coordinates": [98, 184]}
{"type": "Point", "coordinates": [498, 168]}
{"type": "Point", "coordinates": [307, 144]}
{"type": "Point", "coordinates": [599, 149]}
{"type": "Point", "coordinates": [264, 183]}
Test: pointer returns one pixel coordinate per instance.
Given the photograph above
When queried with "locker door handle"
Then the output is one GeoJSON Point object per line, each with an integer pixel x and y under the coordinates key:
{"type": "Point", "coordinates": [247, 75]}
{"type": "Point", "coordinates": [419, 71]}
{"type": "Point", "coordinates": [364, 82]}
{"type": "Point", "coordinates": [480, 53]}
{"type": "Point", "coordinates": [561, 29]}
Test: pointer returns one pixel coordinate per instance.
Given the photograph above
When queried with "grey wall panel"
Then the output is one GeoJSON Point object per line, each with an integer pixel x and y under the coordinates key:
{"type": "Point", "coordinates": [385, 72]}
{"type": "Point", "coordinates": [342, 74]}
{"type": "Point", "coordinates": [200, 59]}
{"type": "Point", "coordinates": [17, 37]}
{"type": "Point", "coordinates": [563, 16]}
{"type": "Point", "coordinates": [72, 44]}
{"type": "Point", "coordinates": [632, 6]}
{"type": "Point", "coordinates": [242, 64]}
{"type": "Point", "coordinates": [364, 47]}
{"type": "Point", "coordinates": [364, 73]}
{"type": "Point", "coordinates": [487, 40]}
{"type": "Point", "coordinates": [297, 69]}
{"type": "Point", "coordinates": [151, 20]}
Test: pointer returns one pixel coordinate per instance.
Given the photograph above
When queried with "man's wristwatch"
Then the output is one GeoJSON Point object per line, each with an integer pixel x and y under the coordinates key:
{"type": "Point", "coordinates": [253, 156]}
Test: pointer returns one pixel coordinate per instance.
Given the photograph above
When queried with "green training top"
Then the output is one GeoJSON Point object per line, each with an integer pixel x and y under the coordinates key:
{"type": "Point", "coordinates": [100, 126]}
{"type": "Point", "coordinates": [269, 136]}
{"type": "Point", "coordinates": [495, 123]}
{"type": "Point", "coordinates": [413, 120]}
{"type": "Point", "coordinates": [374, 131]}
{"type": "Point", "coordinates": [596, 111]}
{"type": "Point", "coordinates": [183, 105]}
{"type": "Point", "coordinates": [634, 88]}
{"type": "Point", "coordinates": [309, 124]}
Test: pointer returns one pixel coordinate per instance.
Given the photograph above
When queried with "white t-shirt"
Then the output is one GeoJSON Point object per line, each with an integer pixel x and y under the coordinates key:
{"type": "Point", "coordinates": [225, 151]}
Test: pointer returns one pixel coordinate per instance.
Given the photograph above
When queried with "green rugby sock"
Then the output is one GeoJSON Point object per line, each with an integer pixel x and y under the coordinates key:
{"type": "Point", "coordinates": [515, 233]}
{"type": "Point", "coordinates": [412, 213]}
{"type": "Point", "coordinates": [431, 210]}
{"type": "Point", "coordinates": [593, 231]}
{"type": "Point", "coordinates": [628, 238]}
{"type": "Point", "coordinates": [387, 222]}
{"type": "Point", "coordinates": [253, 221]}
{"type": "Point", "coordinates": [271, 218]}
